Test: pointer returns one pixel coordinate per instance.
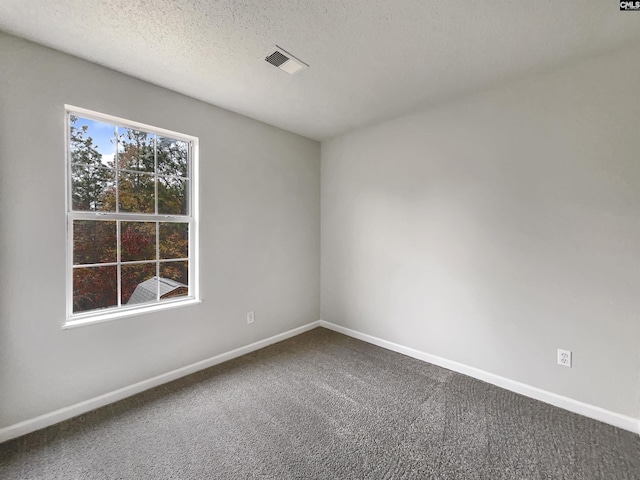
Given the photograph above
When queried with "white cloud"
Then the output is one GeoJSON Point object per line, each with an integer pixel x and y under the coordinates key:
{"type": "Point", "coordinates": [108, 159]}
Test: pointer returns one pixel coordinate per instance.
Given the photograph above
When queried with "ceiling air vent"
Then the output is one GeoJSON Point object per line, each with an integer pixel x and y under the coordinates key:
{"type": "Point", "coordinates": [284, 61]}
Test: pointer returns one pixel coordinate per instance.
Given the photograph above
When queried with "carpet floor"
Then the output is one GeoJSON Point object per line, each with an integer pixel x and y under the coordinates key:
{"type": "Point", "coordinates": [325, 406]}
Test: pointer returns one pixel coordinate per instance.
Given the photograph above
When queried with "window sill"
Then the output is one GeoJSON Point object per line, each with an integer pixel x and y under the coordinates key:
{"type": "Point", "coordinates": [91, 319]}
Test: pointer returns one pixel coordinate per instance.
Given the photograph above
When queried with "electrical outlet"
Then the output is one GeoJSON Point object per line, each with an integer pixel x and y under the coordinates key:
{"type": "Point", "coordinates": [564, 358]}
{"type": "Point", "coordinates": [250, 318]}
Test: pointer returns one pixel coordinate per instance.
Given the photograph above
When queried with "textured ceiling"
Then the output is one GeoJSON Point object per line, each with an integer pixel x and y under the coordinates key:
{"type": "Point", "coordinates": [370, 60]}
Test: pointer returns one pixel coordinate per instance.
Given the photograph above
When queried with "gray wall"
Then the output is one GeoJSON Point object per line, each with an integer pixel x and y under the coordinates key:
{"type": "Point", "coordinates": [260, 235]}
{"type": "Point", "coordinates": [494, 229]}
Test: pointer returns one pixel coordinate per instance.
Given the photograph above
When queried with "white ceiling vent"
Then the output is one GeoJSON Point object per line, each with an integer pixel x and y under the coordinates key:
{"type": "Point", "coordinates": [284, 61]}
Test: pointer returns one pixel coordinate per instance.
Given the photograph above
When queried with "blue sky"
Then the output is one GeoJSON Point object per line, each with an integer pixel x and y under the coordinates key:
{"type": "Point", "coordinates": [103, 135]}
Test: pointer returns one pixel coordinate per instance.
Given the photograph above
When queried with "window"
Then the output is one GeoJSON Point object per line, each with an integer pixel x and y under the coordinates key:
{"type": "Point", "coordinates": [131, 217]}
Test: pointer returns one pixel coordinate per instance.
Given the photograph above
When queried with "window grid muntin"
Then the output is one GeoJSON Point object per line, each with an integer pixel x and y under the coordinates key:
{"type": "Point", "coordinates": [118, 216]}
{"type": "Point", "coordinates": [133, 262]}
{"type": "Point", "coordinates": [126, 170]}
{"type": "Point", "coordinates": [132, 126]}
{"type": "Point", "coordinates": [119, 256]}
{"type": "Point", "coordinates": [112, 217]}
{"type": "Point", "coordinates": [157, 251]}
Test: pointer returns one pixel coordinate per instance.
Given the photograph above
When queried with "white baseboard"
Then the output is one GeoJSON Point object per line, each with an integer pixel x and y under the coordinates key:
{"type": "Point", "coordinates": [575, 406]}
{"type": "Point", "coordinates": [48, 419]}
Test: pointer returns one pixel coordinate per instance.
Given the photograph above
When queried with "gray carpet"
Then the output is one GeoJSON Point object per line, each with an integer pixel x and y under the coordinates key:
{"type": "Point", "coordinates": [325, 406]}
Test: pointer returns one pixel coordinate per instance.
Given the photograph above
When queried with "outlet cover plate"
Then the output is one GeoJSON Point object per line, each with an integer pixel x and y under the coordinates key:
{"type": "Point", "coordinates": [564, 358]}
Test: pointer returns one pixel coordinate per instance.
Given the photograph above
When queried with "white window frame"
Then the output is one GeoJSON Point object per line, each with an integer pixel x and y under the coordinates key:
{"type": "Point", "coordinates": [121, 311]}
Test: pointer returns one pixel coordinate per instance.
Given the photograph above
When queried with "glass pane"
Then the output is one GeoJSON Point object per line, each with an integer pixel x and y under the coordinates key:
{"type": "Point", "coordinates": [94, 242]}
{"type": "Point", "coordinates": [91, 142]}
{"type": "Point", "coordinates": [173, 157]}
{"type": "Point", "coordinates": [93, 188]}
{"type": "Point", "coordinates": [174, 279]}
{"type": "Point", "coordinates": [137, 241]}
{"type": "Point", "coordinates": [139, 284]}
{"type": "Point", "coordinates": [137, 192]}
{"type": "Point", "coordinates": [94, 288]}
{"type": "Point", "coordinates": [172, 196]}
{"type": "Point", "coordinates": [135, 150]}
{"type": "Point", "coordinates": [174, 240]}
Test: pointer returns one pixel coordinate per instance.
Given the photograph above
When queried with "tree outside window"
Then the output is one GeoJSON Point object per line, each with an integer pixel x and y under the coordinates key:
{"type": "Point", "coordinates": [129, 214]}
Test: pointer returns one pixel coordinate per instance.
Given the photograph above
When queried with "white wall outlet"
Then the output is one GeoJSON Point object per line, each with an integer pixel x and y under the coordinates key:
{"type": "Point", "coordinates": [564, 357]}
{"type": "Point", "coordinates": [250, 318]}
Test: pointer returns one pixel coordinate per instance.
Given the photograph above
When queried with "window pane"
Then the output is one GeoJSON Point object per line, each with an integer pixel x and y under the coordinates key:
{"type": "Point", "coordinates": [92, 188]}
{"type": "Point", "coordinates": [172, 196]}
{"type": "Point", "coordinates": [139, 284]}
{"type": "Point", "coordinates": [137, 241]}
{"type": "Point", "coordinates": [124, 188]}
{"type": "Point", "coordinates": [91, 142]}
{"type": "Point", "coordinates": [174, 240]}
{"type": "Point", "coordinates": [174, 279]}
{"type": "Point", "coordinates": [173, 157]}
{"type": "Point", "coordinates": [135, 150]}
{"type": "Point", "coordinates": [137, 192]}
{"type": "Point", "coordinates": [94, 242]}
{"type": "Point", "coordinates": [94, 288]}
